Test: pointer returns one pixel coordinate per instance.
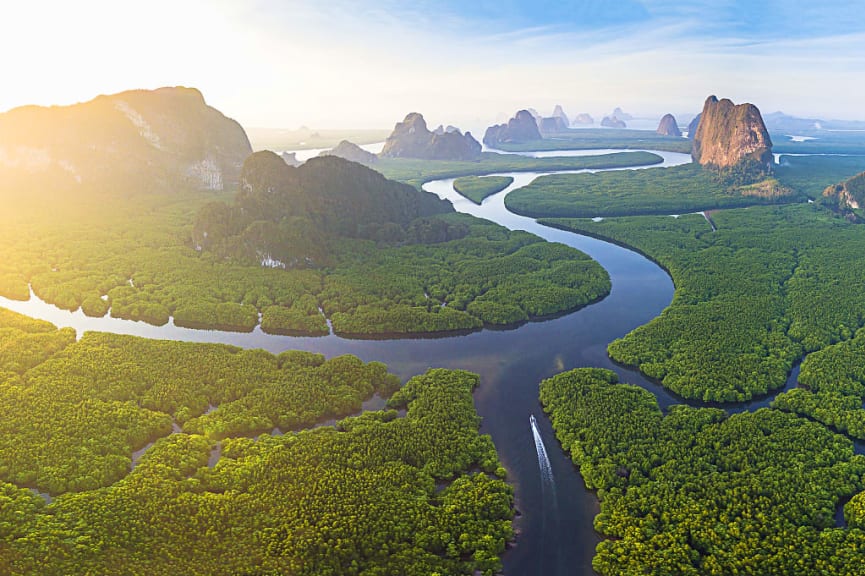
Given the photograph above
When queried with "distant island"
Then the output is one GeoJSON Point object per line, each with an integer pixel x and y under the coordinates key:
{"type": "Point", "coordinates": [521, 128]}
{"type": "Point", "coordinates": [412, 139]}
{"type": "Point", "coordinates": [583, 119]}
{"type": "Point", "coordinates": [351, 151]}
{"type": "Point", "coordinates": [668, 126]}
{"type": "Point", "coordinates": [613, 122]}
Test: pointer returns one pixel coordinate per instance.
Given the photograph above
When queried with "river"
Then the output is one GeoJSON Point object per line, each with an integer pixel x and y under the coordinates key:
{"type": "Point", "coordinates": [556, 534]}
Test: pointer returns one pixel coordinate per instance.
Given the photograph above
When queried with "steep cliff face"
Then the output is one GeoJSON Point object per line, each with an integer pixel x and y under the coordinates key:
{"type": "Point", "coordinates": [692, 127]}
{"type": "Point", "coordinates": [351, 151]}
{"type": "Point", "coordinates": [848, 195]}
{"type": "Point", "coordinates": [141, 140]}
{"type": "Point", "coordinates": [521, 128]}
{"type": "Point", "coordinates": [668, 126]}
{"type": "Point", "coordinates": [412, 139]}
{"type": "Point", "coordinates": [729, 134]}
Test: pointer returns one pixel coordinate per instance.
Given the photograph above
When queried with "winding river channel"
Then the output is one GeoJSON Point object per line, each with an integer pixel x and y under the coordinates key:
{"type": "Point", "coordinates": [555, 525]}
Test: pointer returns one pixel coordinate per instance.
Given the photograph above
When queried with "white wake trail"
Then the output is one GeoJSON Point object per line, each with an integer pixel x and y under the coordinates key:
{"type": "Point", "coordinates": [543, 459]}
{"type": "Point", "coordinates": [549, 503]}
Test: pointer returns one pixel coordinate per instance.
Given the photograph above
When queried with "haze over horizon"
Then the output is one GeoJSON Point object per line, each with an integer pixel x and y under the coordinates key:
{"type": "Point", "coordinates": [286, 64]}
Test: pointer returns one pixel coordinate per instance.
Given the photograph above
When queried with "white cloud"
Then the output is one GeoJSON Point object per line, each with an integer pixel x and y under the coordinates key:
{"type": "Point", "coordinates": [343, 64]}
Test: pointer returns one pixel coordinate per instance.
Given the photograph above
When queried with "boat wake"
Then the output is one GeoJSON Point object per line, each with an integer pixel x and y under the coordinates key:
{"type": "Point", "coordinates": [543, 459]}
{"type": "Point", "coordinates": [549, 511]}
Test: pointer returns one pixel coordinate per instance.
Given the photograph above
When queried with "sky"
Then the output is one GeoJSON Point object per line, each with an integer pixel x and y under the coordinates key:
{"type": "Point", "coordinates": [366, 64]}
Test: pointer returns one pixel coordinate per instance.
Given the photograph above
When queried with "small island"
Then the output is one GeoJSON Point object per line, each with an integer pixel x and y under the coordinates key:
{"type": "Point", "coordinates": [476, 188]}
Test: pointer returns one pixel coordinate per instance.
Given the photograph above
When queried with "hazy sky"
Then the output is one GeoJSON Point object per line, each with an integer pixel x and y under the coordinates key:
{"type": "Point", "coordinates": [345, 63]}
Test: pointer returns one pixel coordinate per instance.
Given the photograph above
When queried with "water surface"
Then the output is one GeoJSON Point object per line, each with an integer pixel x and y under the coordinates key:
{"type": "Point", "coordinates": [556, 536]}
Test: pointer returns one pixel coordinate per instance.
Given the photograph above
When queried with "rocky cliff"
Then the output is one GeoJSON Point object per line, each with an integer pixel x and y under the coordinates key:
{"type": "Point", "coordinates": [521, 128]}
{"type": "Point", "coordinates": [668, 126]}
{"type": "Point", "coordinates": [848, 195]}
{"type": "Point", "coordinates": [351, 151]}
{"type": "Point", "coordinates": [692, 127]}
{"type": "Point", "coordinates": [136, 141]}
{"type": "Point", "coordinates": [412, 139]}
{"type": "Point", "coordinates": [729, 134]}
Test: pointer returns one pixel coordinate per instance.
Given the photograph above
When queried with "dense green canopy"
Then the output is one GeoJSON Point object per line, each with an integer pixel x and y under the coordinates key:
{"type": "Point", "coordinates": [697, 492]}
{"type": "Point", "coordinates": [409, 490]}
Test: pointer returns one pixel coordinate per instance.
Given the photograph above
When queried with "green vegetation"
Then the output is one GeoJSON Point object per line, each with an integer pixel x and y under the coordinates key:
{"type": "Point", "coordinates": [416, 172]}
{"type": "Point", "coordinates": [847, 198]}
{"type": "Point", "coordinates": [25, 342]}
{"type": "Point", "coordinates": [378, 494]}
{"type": "Point", "coordinates": [697, 492]}
{"type": "Point", "coordinates": [391, 268]}
{"type": "Point", "coordinates": [73, 421]}
{"type": "Point", "coordinates": [834, 387]}
{"type": "Point", "coordinates": [476, 188]}
{"type": "Point", "coordinates": [595, 138]}
{"type": "Point", "coordinates": [771, 284]}
{"type": "Point", "coordinates": [679, 189]}
{"type": "Point", "coordinates": [285, 217]}
{"type": "Point", "coordinates": [492, 276]}
{"type": "Point", "coordinates": [310, 138]}
{"type": "Point", "coordinates": [136, 258]}
{"type": "Point", "coordinates": [826, 142]}
{"type": "Point", "coordinates": [810, 175]}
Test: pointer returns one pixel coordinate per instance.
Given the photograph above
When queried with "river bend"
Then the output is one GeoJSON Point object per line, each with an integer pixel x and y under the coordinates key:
{"type": "Point", "coordinates": [555, 528]}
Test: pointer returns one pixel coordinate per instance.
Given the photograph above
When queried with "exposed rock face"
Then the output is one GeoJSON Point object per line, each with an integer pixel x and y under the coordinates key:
{"type": "Point", "coordinates": [584, 119]}
{"type": "Point", "coordinates": [520, 128]}
{"type": "Point", "coordinates": [848, 195]}
{"type": "Point", "coordinates": [613, 122]}
{"type": "Point", "coordinates": [692, 127]}
{"type": "Point", "coordinates": [728, 134]}
{"type": "Point", "coordinates": [290, 158]}
{"type": "Point", "coordinates": [136, 141]}
{"type": "Point", "coordinates": [351, 151]}
{"type": "Point", "coordinates": [552, 125]}
{"type": "Point", "coordinates": [412, 139]}
{"type": "Point", "coordinates": [558, 112]}
{"type": "Point", "coordinates": [668, 126]}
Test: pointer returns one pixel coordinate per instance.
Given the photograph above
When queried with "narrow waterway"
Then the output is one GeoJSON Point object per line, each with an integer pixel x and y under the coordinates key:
{"type": "Point", "coordinates": [555, 524]}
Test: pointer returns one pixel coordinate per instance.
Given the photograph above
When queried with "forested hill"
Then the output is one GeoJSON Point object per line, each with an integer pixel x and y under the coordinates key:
{"type": "Point", "coordinates": [121, 144]}
{"type": "Point", "coordinates": [284, 216]}
{"type": "Point", "coordinates": [847, 196]}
